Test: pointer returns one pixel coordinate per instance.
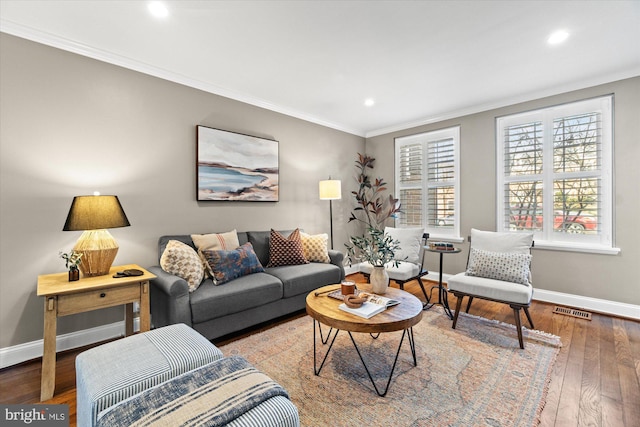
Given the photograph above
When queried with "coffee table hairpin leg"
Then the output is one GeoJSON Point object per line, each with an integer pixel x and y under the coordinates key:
{"type": "Point", "coordinates": [324, 340]}
{"type": "Point", "coordinates": [407, 332]}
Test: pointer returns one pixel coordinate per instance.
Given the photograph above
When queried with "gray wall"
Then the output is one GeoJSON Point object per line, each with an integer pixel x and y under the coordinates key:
{"type": "Point", "coordinates": [608, 277]}
{"type": "Point", "coordinates": [71, 125]}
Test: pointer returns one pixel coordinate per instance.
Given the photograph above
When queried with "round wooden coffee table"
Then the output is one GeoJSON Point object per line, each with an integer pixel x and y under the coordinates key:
{"type": "Point", "coordinates": [402, 317]}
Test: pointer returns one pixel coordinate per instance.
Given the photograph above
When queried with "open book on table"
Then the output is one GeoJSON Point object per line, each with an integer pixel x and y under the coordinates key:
{"type": "Point", "coordinates": [374, 304]}
{"type": "Point", "coordinates": [372, 298]}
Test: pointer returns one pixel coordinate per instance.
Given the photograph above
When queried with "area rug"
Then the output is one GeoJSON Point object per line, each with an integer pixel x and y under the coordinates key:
{"type": "Point", "coordinates": [475, 375]}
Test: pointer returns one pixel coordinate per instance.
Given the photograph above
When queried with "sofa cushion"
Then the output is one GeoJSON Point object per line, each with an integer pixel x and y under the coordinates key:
{"type": "Point", "coordinates": [182, 260]}
{"type": "Point", "coordinates": [490, 288]}
{"type": "Point", "coordinates": [286, 250]}
{"type": "Point", "coordinates": [302, 279]}
{"type": "Point", "coordinates": [501, 241]}
{"type": "Point", "coordinates": [403, 271]}
{"type": "Point", "coordinates": [315, 247]}
{"type": "Point", "coordinates": [210, 302]}
{"type": "Point", "coordinates": [225, 266]}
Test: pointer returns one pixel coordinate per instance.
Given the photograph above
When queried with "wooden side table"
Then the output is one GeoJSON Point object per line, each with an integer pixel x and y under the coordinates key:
{"type": "Point", "coordinates": [63, 298]}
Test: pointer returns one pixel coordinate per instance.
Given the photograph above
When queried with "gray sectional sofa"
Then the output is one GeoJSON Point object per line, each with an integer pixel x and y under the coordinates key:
{"type": "Point", "coordinates": [215, 311]}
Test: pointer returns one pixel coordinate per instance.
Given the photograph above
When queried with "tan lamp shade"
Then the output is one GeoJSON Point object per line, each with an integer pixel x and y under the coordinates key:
{"type": "Point", "coordinates": [93, 215]}
{"type": "Point", "coordinates": [330, 189]}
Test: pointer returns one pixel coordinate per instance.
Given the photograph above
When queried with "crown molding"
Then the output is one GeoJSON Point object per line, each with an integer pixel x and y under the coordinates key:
{"type": "Point", "coordinates": [72, 46]}
{"type": "Point", "coordinates": [531, 96]}
{"type": "Point", "coordinates": [52, 40]}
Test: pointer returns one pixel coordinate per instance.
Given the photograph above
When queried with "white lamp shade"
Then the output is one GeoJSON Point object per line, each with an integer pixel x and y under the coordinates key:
{"type": "Point", "coordinates": [330, 189]}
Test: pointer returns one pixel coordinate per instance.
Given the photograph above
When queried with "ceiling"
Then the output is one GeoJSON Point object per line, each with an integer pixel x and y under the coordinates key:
{"type": "Point", "coordinates": [421, 61]}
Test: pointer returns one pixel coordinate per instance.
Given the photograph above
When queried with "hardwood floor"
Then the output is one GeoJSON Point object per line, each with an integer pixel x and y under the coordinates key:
{"type": "Point", "coordinates": [596, 378]}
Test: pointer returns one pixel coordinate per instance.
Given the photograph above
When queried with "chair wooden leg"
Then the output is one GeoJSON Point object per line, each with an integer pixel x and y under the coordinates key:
{"type": "Point", "coordinates": [526, 311]}
{"type": "Point", "coordinates": [458, 305]}
{"type": "Point", "coordinates": [469, 304]}
{"type": "Point", "coordinates": [516, 313]}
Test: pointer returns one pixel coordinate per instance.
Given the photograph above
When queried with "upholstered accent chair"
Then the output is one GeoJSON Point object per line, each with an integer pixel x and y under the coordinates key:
{"type": "Point", "coordinates": [498, 269]}
{"type": "Point", "coordinates": [410, 256]}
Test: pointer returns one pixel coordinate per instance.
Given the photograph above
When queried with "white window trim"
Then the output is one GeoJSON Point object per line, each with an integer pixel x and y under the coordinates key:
{"type": "Point", "coordinates": [424, 138]}
{"type": "Point", "coordinates": [605, 245]}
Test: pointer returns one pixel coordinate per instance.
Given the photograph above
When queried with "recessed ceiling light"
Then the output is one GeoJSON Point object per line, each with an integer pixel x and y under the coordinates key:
{"type": "Point", "coordinates": [369, 102]}
{"type": "Point", "coordinates": [558, 37]}
{"type": "Point", "coordinates": [158, 9]}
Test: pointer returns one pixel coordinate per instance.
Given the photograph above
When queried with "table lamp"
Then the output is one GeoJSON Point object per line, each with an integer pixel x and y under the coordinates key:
{"type": "Point", "coordinates": [93, 215]}
{"type": "Point", "coordinates": [330, 189]}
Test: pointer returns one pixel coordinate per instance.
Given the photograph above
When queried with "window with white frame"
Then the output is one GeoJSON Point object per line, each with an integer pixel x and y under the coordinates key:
{"type": "Point", "coordinates": [427, 182]}
{"type": "Point", "coordinates": [554, 175]}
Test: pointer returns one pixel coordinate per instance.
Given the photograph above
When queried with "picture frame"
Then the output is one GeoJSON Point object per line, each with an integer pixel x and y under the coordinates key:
{"type": "Point", "coordinates": [232, 166]}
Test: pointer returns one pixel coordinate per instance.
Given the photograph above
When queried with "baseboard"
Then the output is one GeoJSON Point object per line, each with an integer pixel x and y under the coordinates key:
{"type": "Point", "coordinates": [613, 308]}
{"type": "Point", "coordinates": [596, 305]}
{"type": "Point", "coordinates": [350, 269]}
{"type": "Point", "coordinates": [10, 356]}
{"type": "Point", "coordinates": [13, 355]}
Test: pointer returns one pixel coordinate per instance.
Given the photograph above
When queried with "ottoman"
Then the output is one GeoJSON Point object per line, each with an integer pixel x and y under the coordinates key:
{"type": "Point", "coordinates": [228, 392]}
{"type": "Point", "coordinates": [113, 372]}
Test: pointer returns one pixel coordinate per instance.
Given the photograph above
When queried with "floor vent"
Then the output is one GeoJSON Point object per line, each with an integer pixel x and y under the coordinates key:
{"type": "Point", "coordinates": [572, 312]}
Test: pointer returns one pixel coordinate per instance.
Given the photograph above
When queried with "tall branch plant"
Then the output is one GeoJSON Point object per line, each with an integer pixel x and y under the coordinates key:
{"type": "Point", "coordinates": [372, 210]}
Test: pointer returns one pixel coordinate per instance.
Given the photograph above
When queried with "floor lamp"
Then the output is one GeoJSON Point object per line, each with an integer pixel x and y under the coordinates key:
{"type": "Point", "coordinates": [330, 189]}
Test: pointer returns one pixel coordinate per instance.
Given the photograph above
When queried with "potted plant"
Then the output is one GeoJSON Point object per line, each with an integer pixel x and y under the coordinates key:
{"type": "Point", "coordinates": [372, 210]}
{"type": "Point", "coordinates": [72, 262]}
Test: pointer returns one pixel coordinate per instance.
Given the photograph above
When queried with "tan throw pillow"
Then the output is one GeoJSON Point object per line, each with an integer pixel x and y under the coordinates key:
{"type": "Point", "coordinates": [315, 247]}
{"type": "Point", "coordinates": [217, 241]}
{"type": "Point", "coordinates": [181, 260]}
{"type": "Point", "coordinates": [286, 251]}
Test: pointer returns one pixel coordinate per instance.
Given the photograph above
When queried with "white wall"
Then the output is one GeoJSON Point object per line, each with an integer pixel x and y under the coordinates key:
{"type": "Point", "coordinates": [71, 125]}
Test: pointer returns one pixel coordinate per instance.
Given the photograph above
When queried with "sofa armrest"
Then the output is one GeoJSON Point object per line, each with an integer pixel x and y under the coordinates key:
{"type": "Point", "coordinates": [337, 258]}
{"type": "Point", "coordinates": [170, 302]}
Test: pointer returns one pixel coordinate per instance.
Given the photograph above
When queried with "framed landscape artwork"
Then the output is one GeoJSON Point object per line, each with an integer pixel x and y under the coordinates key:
{"type": "Point", "coordinates": [232, 166]}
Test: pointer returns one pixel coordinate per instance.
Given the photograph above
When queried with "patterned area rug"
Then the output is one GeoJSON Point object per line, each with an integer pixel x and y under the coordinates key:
{"type": "Point", "coordinates": [475, 375]}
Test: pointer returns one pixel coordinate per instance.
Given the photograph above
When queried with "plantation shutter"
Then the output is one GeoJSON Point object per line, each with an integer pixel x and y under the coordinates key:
{"type": "Point", "coordinates": [410, 165]}
{"type": "Point", "coordinates": [523, 162]}
{"type": "Point", "coordinates": [577, 162]}
{"type": "Point", "coordinates": [555, 173]}
{"type": "Point", "coordinates": [441, 182]}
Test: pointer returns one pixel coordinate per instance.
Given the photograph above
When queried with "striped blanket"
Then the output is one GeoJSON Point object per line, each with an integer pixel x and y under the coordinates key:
{"type": "Point", "coordinates": [212, 395]}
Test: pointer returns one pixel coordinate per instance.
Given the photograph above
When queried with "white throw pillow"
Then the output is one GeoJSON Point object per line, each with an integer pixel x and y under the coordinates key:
{"type": "Point", "coordinates": [506, 266]}
{"type": "Point", "coordinates": [410, 243]}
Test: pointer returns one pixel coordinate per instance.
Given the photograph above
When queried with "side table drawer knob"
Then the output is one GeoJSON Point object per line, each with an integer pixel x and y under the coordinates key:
{"type": "Point", "coordinates": [102, 295]}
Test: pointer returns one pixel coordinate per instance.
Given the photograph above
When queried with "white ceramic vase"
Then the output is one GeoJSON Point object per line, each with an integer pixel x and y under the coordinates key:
{"type": "Point", "coordinates": [379, 280]}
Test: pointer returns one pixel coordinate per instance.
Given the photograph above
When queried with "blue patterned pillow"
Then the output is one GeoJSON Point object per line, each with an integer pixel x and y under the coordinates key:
{"type": "Point", "coordinates": [225, 266]}
{"type": "Point", "coordinates": [505, 266]}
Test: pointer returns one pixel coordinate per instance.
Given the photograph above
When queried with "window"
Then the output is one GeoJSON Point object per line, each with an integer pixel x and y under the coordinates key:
{"type": "Point", "coordinates": [554, 175]}
{"type": "Point", "coordinates": [427, 182]}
